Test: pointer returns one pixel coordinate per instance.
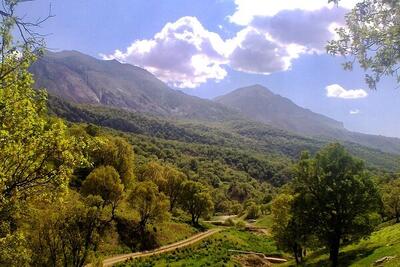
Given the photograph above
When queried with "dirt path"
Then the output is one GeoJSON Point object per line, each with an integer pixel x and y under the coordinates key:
{"type": "Point", "coordinates": [189, 241]}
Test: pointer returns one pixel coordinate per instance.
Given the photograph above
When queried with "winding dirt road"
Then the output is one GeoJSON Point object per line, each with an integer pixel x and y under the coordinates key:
{"type": "Point", "coordinates": [187, 242]}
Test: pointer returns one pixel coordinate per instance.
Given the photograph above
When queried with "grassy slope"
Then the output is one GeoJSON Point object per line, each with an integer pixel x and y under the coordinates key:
{"type": "Point", "coordinates": [212, 252]}
{"type": "Point", "coordinates": [382, 243]}
{"type": "Point", "coordinates": [264, 221]}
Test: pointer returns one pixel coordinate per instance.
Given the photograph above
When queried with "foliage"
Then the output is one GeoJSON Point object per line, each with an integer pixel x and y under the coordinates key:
{"type": "Point", "coordinates": [290, 232]}
{"type": "Point", "coordinates": [151, 205]}
{"type": "Point", "coordinates": [253, 211]}
{"type": "Point", "coordinates": [214, 251]}
{"type": "Point", "coordinates": [391, 199]}
{"type": "Point", "coordinates": [371, 38]}
{"type": "Point", "coordinates": [118, 153]}
{"type": "Point", "coordinates": [104, 181]}
{"type": "Point", "coordinates": [173, 185]}
{"type": "Point", "coordinates": [37, 154]}
{"type": "Point", "coordinates": [385, 242]}
{"type": "Point", "coordinates": [196, 201]}
{"type": "Point", "coordinates": [336, 196]}
{"type": "Point", "coordinates": [67, 232]}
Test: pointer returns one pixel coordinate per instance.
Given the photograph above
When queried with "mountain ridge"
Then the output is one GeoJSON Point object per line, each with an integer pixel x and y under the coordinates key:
{"type": "Point", "coordinates": [82, 79]}
{"type": "Point", "coordinates": [258, 103]}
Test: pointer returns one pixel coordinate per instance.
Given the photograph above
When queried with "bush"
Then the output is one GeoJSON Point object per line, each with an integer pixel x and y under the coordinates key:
{"type": "Point", "coordinates": [253, 211]}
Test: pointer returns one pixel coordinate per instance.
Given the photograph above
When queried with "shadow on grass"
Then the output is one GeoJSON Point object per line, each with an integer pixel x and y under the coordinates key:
{"type": "Point", "coordinates": [345, 258]}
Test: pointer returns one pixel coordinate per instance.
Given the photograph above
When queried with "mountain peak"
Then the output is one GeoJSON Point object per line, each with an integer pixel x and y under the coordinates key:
{"type": "Point", "coordinates": [255, 90]}
{"type": "Point", "coordinates": [261, 104]}
{"type": "Point", "coordinates": [83, 79]}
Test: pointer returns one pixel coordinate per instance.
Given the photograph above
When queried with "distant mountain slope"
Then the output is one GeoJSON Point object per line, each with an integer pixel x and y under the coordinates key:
{"type": "Point", "coordinates": [260, 104]}
{"type": "Point", "coordinates": [84, 79]}
{"type": "Point", "coordinates": [276, 146]}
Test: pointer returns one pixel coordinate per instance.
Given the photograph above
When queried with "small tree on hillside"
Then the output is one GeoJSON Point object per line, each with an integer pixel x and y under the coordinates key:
{"type": "Point", "coordinates": [391, 199]}
{"type": "Point", "coordinates": [338, 198]}
{"type": "Point", "coordinates": [196, 201]}
{"type": "Point", "coordinates": [173, 185]}
{"type": "Point", "coordinates": [151, 205]}
{"type": "Point", "coordinates": [104, 181]}
{"type": "Point", "coordinates": [290, 231]}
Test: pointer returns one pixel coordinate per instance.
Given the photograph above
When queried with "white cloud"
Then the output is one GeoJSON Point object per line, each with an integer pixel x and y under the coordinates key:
{"type": "Point", "coordinates": [354, 111]}
{"type": "Point", "coordinates": [253, 51]}
{"type": "Point", "coordinates": [183, 54]}
{"type": "Point", "coordinates": [310, 29]}
{"type": "Point", "coordinates": [337, 91]}
{"type": "Point", "coordinates": [246, 10]}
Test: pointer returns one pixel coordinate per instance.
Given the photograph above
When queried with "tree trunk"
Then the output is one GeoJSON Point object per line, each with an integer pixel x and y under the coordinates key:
{"type": "Point", "coordinates": [334, 251]}
{"type": "Point", "coordinates": [295, 256]}
{"type": "Point", "coordinates": [193, 219]}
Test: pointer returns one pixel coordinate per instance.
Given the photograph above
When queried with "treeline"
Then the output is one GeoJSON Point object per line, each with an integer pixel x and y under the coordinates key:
{"type": "Point", "coordinates": [253, 137]}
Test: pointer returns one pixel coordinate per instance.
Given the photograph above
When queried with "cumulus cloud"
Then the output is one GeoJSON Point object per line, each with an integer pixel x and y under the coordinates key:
{"type": "Point", "coordinates": [183, 54]}
{"type": "Point", "coordinates": [354, 111]}
{"type": "Point", "coordinates": [246, 10]}
{"type": "Point", "coordinates": [337, 91]}
{"type": "Point", "coordinates": [256, 52]}
{"type": "Point", "coordinates": [310, 29]}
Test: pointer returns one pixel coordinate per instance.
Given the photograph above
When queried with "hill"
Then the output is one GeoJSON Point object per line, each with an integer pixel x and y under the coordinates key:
{"type": "Point", "coordinates": [83, 79]}
{"type": "Point", "coordinates": [257, 149]}
{"type": "Point", "coordinates": [258, 103]}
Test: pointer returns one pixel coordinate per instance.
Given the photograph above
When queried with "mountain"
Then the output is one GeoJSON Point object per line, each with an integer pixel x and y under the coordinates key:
{"type": "Point", "coordinates": [86, 80]}
{"type": "Point", "coordinates": [258, 103]}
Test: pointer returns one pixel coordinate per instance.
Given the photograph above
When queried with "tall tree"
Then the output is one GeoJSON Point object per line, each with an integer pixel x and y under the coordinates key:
{"type": "Point", "coordinates": [391, 199]}
{"type": "Point", "coordinates": [116, 152]}
{"type": "Point", "coordinates": [371, 38]}
{"type": "Point", "coordinates": [337, 196]}
{"type": "Point", "coordinates": [104, 181]}
{"type": "Point", "coordinates": [151, 205]}
{"type": "Point", "coordinates": [173, 185]}
{"type": "Point", "coordinates": [290, 231]}
{"type": "Point", "coordinates": [196, 201]}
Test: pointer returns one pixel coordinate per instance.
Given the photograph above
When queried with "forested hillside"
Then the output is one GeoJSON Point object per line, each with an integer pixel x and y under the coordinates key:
{"type": "Point", "coordinates": [252, 137]}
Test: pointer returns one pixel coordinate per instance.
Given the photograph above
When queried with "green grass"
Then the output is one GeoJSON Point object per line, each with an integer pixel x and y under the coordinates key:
{"type": "Point", "coordinates": [382, 243]}
{"type": "Point", "coordinates": [213, 251]}
{"type": "Point", "coordinates": [171, 232]}
{"type": "Point", "coordinates": [264, 221]}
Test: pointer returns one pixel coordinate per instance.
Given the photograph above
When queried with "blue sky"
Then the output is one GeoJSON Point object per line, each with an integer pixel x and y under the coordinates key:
{"type": "Point", "coordinates": [210, 47]}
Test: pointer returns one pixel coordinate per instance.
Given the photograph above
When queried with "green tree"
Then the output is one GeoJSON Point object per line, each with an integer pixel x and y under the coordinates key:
{"type": "Point", "coordinates": [67, 231]}
{"type": "Point", "coordinates": [371, 38]}
{"type": "Point", "coordinates": [289, 231]}
{"type": "Point", "coordinates": [37, 154]}
{"type": "Point", "coordinates": [116, 152]}
{"type": "Point", "coordinates": [336, 196]}
{"type": "Point", "coordinates": [196, 201]}
{"type": "Point", "coordinates": [152, 171]}
{"type": "Point", "coordinates": [253, 210]}
{"type": "Point", "coordinates": [151, 205]}
{"type": "Point", "coordinates": [104, 181]}
{"type": "Point", "coordinates": [391, 199]}
{"type": "Point", "coordinates": [173, 185]}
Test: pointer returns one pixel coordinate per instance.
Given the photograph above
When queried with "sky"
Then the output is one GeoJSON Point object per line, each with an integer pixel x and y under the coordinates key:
{"type": "Point", "coordinates": [208, 48]}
